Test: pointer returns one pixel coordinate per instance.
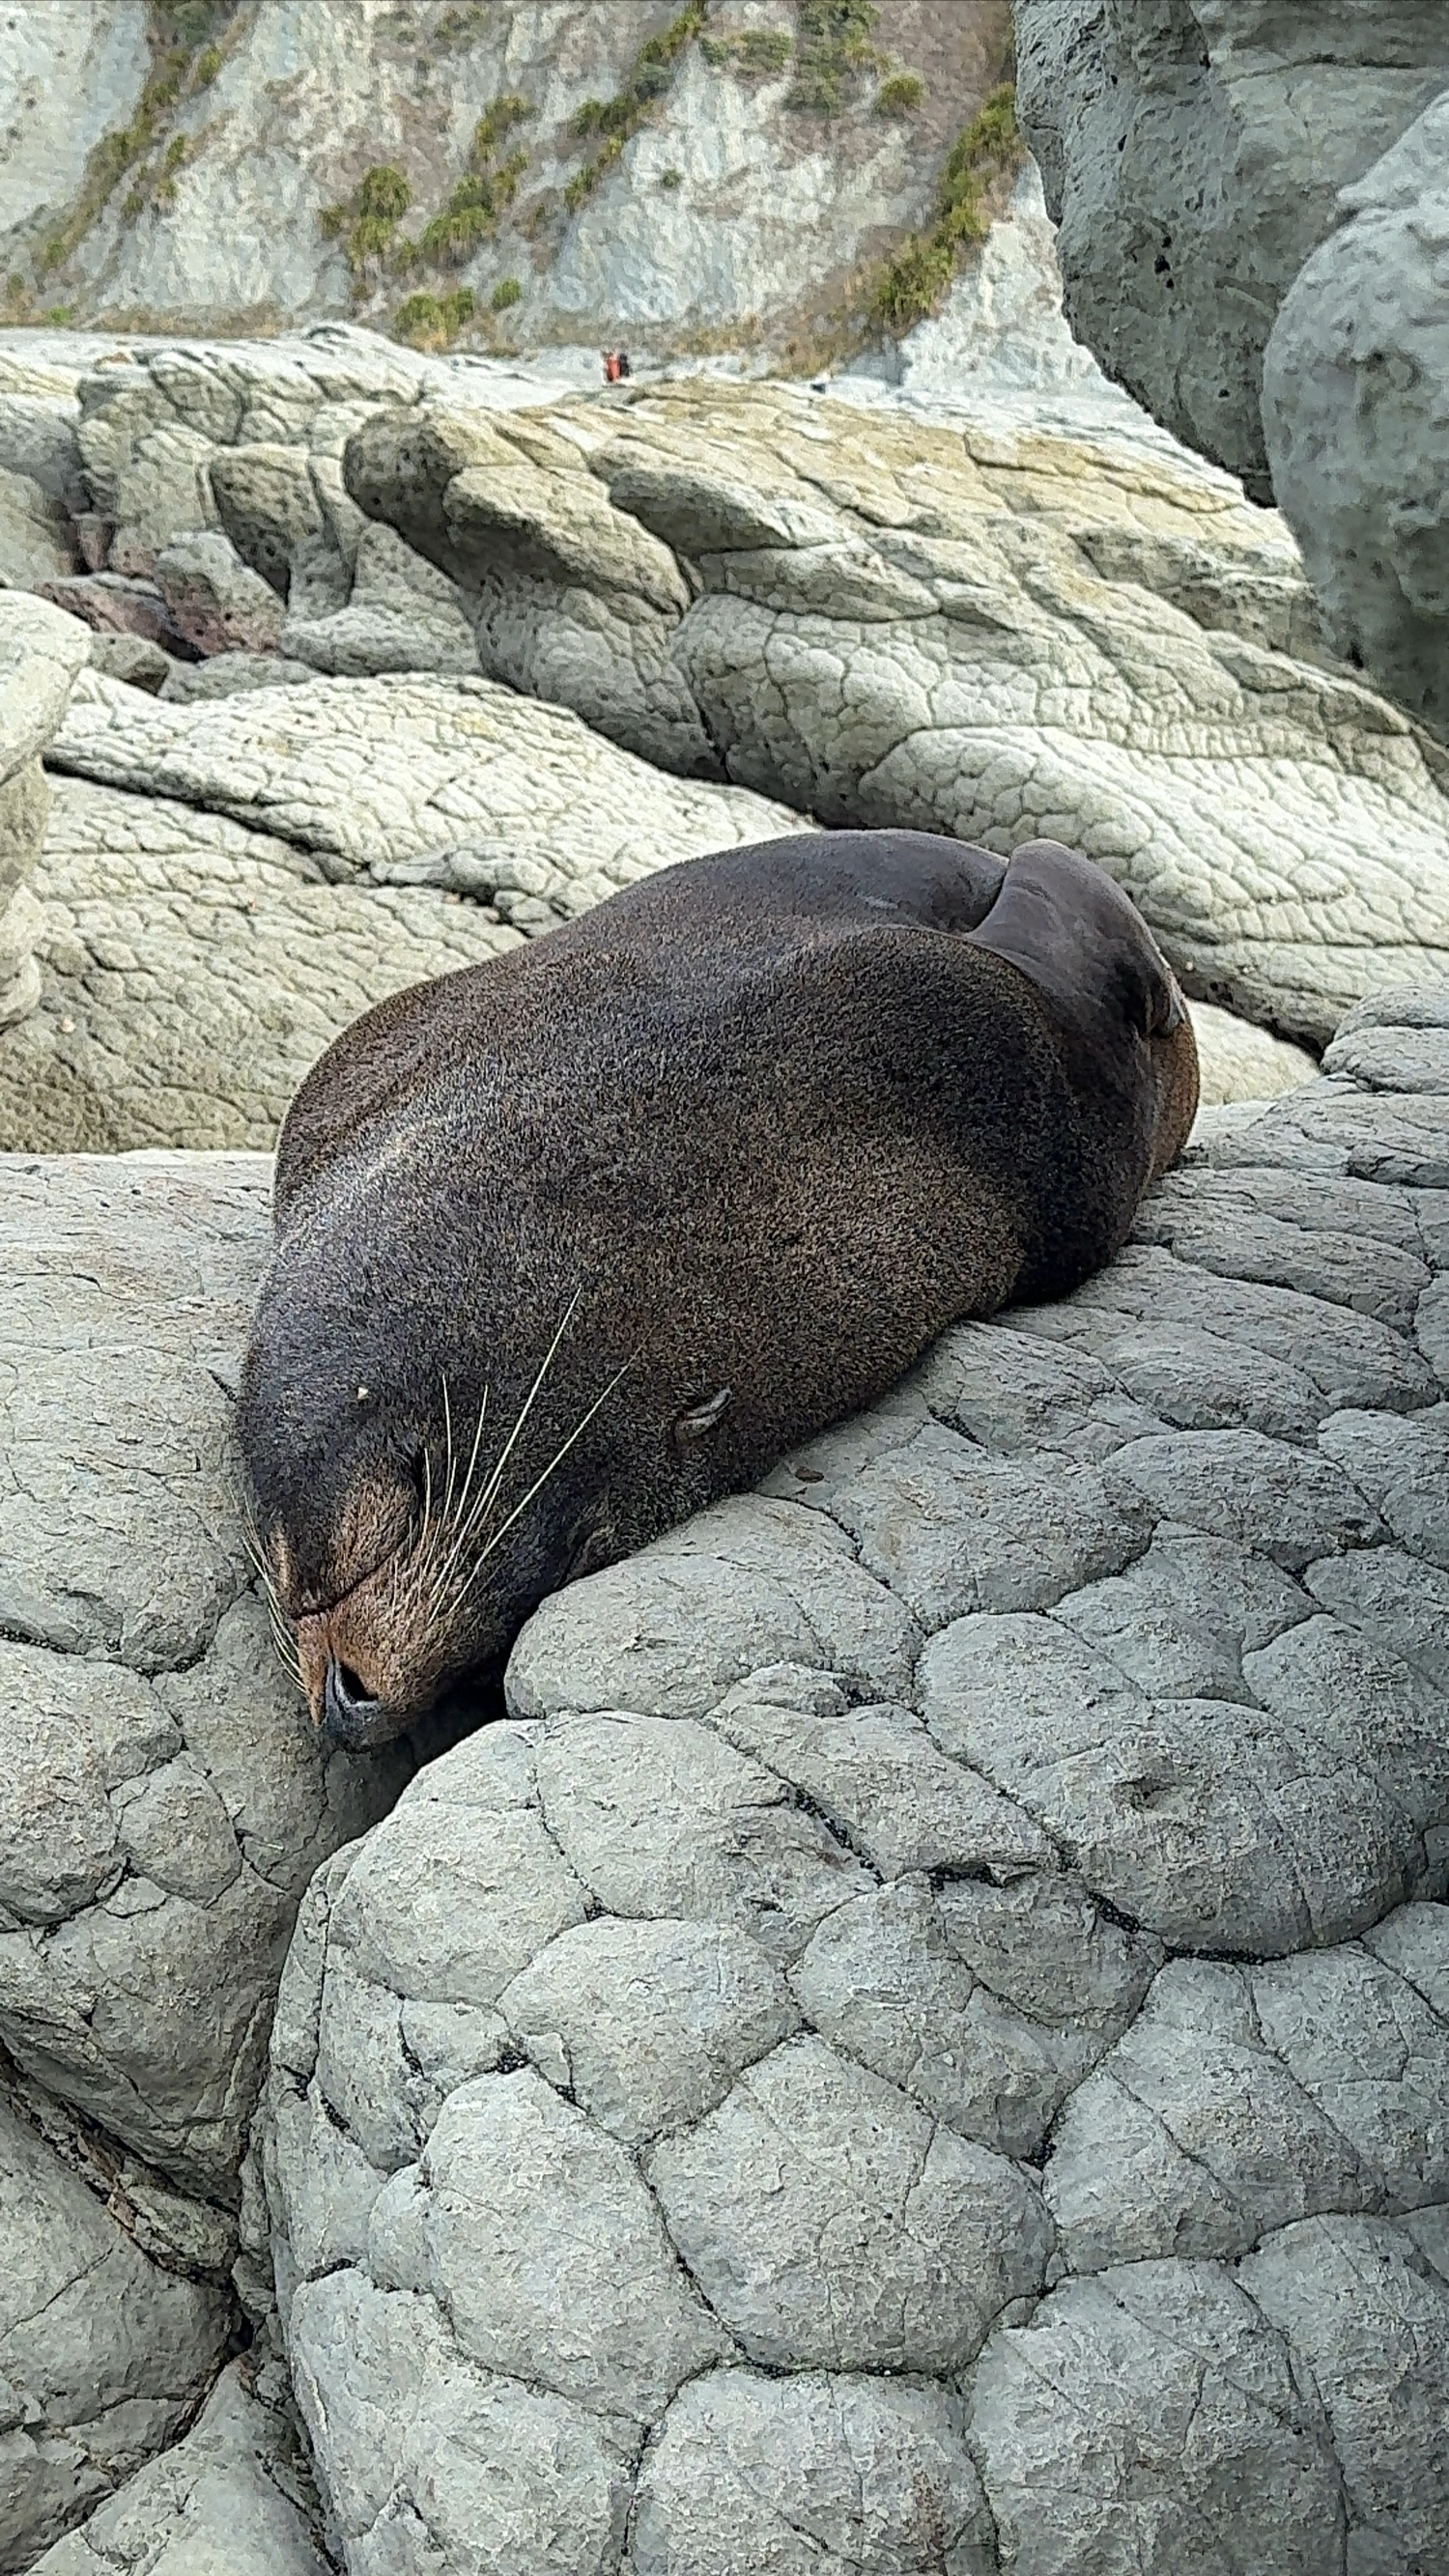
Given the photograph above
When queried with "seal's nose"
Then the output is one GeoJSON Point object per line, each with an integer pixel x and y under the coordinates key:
{"type": "Point", "coordinates": [346, 1707]}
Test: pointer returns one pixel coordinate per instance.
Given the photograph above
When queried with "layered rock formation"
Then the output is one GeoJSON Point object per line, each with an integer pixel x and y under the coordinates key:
{"type": "Point", "coordinates": [227, 885]}
{"type": "Point", "coordinates": [1192, 154]}
{"type": "Point", "coordinates": [993, 635]}
{"type": "Point", "coordinates": [925, 2040]}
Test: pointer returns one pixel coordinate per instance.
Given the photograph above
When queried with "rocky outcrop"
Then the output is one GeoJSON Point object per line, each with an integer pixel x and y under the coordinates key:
{"type": "Point", "coordinates": [1354, 419]}
{"type": "Point", "coordinates": [988, 633]}
{"type": "Point", "coordinates": [164, 1802]}
{"type": "Point", "coordinates": [924, 2038]}
{"type": "Point", "coordinates": [1192, 153]}
{"type": "Point", "coordinates": [40, 654]}
{"type": "Point", "coordinates": [235, 2493]}
{"type": "Point", "coordinates": [226, 885]}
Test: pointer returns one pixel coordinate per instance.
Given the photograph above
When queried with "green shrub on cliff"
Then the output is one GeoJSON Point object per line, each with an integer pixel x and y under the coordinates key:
{"type": "Point", "coordinates": [429, 321]}
{"type": "Point", "coordinates": [618, 119]}
{"type": "Point", "coordinates": [916, 281]}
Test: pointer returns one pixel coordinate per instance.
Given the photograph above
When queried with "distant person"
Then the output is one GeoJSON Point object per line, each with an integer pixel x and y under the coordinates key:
{"type": "Point", "coordinates": [622, 366]}
{"type": "Point", "coordinates": [613, 366]}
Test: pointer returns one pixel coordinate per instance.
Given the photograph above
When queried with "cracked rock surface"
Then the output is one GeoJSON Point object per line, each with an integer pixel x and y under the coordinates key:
{"type": "Point", "coordinates": [40, 653]}
{"type": "Point", "coordinates": [226, 885]}
{"type": "Point", "coordinates": [234, 2494]}
{"type": "Point", "coordinates": [923, 2039]}
{"type": "Point", "coordinates": [997, 634]}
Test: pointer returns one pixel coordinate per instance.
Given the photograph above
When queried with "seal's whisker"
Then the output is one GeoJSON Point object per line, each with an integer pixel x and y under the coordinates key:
{"type": "Point", "coordinates": [540, 1481]}
{"type": "Point", "coordinates": [488, 1495]}
{"type": "Point", "coordinates": [462, 1516]}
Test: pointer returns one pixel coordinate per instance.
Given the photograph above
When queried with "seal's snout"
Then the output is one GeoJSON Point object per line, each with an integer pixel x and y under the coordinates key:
{"type": "Point", "coordinates": [349, 1709]}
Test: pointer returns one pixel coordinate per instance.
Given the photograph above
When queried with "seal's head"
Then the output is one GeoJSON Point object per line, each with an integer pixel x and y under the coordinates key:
{"type": "Point", "coordinates": [1082, 943]}
{"type": "Point", "coordinates": [407, 1518]}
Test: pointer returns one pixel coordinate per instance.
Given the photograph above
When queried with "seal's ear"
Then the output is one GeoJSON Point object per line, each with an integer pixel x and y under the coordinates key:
{"type": "Point", "coordinates": [1161, 1009]}
{"type": "Point", "coordinates": [1070, 929]}
{"type": "Point", "coordinates": [701, 1419]}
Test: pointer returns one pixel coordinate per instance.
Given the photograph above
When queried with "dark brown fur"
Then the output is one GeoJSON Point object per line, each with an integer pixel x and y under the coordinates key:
{"type": "Point", "coordinates": [765, 1123]}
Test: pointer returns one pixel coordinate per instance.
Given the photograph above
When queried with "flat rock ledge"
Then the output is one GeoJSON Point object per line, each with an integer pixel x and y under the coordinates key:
{"type": "Point", "coordinates": [923, 2040]}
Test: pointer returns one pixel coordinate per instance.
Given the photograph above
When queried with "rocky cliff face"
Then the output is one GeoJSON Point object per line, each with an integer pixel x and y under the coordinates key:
{"type": "Point", "coordinates": [715, 170]}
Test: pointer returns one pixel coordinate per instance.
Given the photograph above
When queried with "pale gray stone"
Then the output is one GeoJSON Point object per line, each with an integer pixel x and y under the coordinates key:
{"type": "Point", "coordinates": [831, 2224]}
{"type": "Point", "coordinates": [952, 1530]}
{"type": "Point", "coordinates": [434, 2461]}
{"type": "Point", "coordinates": [1210, 1824]}
{"type": "Point", "coordinates": [646, 2025]}
{"type": "Point", "coordinates": [810, 2476]}
{"type": "Point", "coordinates": [878, 1780]}
{"type": "Point", "coordinates": [235, 2492]}
{"type": "Point", "coordinates": [1354, 437]}
{"type": "Point", "coordinates": [743, 1586]}
{"type": "Point", "coordinates": [1367, 2315]}
{"type": "Point", "coordinates": [1192, 157]}
{"type": "Point", "coordinates": [1179, 1621]}
{"type": "Point", "coordinates": [965, 2000]}
{"type": "Point", "coordinates": [660, 1818]}
{"type": "Point", "coordinates": [544, 2250]}
{"type": "Point", "coordinates": [103, 2355]}
{"type": "Point", "coordinates": [1151, 2419]}
{"type": "Point", "coordinates": [218, 603]}
{"type": "Point", "coordinates": [446, 1905]}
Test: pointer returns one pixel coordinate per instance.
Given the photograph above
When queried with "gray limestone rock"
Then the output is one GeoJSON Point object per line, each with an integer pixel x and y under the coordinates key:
{"type": "Point", "coordinates": [810, 2476]}
{"type": "Point", "coordinates": [1191, 152]}
{"type": "Point", "coordinates": [41, 652]}
{"type": "Point", "coordinates": [103, 2354]}
{"type": "Point", "coordinates": [1152, 2419]}
{"type": "Point", "coordinates": [401, 614]}
{"type": "Point", "coordinates": [832, 2224]}
{"type": "Point", "coordinates": [257, 872]}
{"type": "Point", "coordinates": [35, 537]}
{"type": "Point", "coordinates": [215, 600]}
{"type": "Point", "coordinates": [226, 675]}
{"type": "Point", "coordinates": [1355, 436]}
{"type": "Point", "coordinates": [165, 1799]}
{"type": "Point", "coordinates": [977, 632]}
{"type": "Point", "coordinates": [134, 659]}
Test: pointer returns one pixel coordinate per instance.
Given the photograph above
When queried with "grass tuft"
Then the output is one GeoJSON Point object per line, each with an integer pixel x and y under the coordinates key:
{"type": "Point", "coordinates": [901, 95]}
{"type": "Point", "coordinates": [833, 53]}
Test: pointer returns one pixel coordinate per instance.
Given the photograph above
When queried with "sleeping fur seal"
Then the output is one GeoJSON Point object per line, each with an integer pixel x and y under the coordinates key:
{"type": "Point", "coordinates": [574, 1242]}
